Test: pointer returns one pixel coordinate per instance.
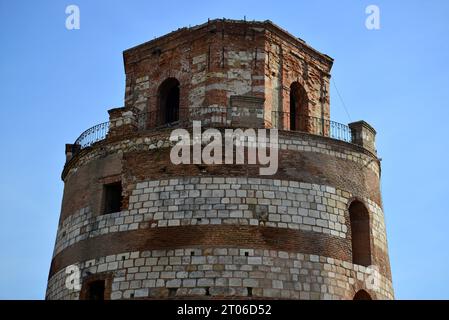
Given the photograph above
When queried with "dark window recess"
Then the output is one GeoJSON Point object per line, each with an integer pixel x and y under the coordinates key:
{"type": "Point", "coordinates": [169, 100]}
{"type": "Point", "coordinates": [95, 290]}
{"type": "Point", "coordinates": [360, 234]}
{"type": "Point", "coordinates": [172, 292]}
{"type": "Point", "coordinates": [298, 107]}
{"type": "Point", "coordinates": [362, 295]}
{"type": "Point", "coordinates": [293, 109]}
{"type": "Point", "coordinates": [112, 197]}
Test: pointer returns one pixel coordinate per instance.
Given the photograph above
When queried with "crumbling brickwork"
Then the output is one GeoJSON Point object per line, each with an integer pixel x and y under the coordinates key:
{"type": "Point", "coordinates": [220, 59]}
{"type": "Point", "coordinates": [222, 231]}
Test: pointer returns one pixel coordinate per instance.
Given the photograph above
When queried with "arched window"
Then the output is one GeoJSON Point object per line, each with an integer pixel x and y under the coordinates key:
{"type": "Point", "coordinates": [362, 295]}
{"type": "Point", "coordinates": [298, 107]}
{"type": "Point", "coordinates": [360, 233]}
{"type": "Point", "coordinates": [168, 101]}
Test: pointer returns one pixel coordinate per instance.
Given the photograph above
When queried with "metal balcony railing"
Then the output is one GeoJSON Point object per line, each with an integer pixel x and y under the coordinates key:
{"type": "Point", "coordinates": [318, 126]}
{"type": "Point", "coordinates": [279, 120]}
{"type": "Point", "coordinates": [92, 135]}
{"type": "Point", "coordinates": [154, 120]}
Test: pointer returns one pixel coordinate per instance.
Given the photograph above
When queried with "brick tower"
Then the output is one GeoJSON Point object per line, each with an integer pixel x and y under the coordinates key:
{"type": "Point", "coordinates": [135, 225]}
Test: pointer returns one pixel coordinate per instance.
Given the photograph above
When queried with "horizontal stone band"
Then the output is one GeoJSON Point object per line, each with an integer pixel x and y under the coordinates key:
{"type": "Point", "coordinates": [229, 201]}
{"type": "Point", "coordinates": [225, 272]}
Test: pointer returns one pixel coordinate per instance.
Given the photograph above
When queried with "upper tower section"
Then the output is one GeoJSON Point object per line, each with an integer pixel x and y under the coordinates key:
{"type": "Point", "coordinates": [228, 72]}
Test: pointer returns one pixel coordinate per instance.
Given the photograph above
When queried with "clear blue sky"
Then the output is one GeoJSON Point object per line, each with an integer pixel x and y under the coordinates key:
{"type": "Point", "coordinates": [55, 83]}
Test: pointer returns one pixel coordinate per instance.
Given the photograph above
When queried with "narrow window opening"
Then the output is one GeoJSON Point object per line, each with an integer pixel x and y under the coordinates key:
{"type": "Point", "coordinates": [298, 118]}
{"type": "Point", "coordinates": [360, 234]}
{"type": "Point", "coordinates": [169, 97]}
{"type": "Point", "coordinates": [112, 197]}
{"type": "Point", "coordinates": [293, 104]}
{"type": "Point", "coordinates": [250, 291]}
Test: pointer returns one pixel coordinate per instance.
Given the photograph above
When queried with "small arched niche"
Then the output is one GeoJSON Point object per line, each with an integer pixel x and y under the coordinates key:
{"type": "Point", "coordinates": [168, 101]}
{"type": "Point", "coordinates": [298, 107]}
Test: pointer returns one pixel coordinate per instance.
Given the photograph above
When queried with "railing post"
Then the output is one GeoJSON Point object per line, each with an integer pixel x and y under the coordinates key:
{"type": "Point", "coordinates": [364, 135]}
{"type": "Point", "coordinates": [122, 121]}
